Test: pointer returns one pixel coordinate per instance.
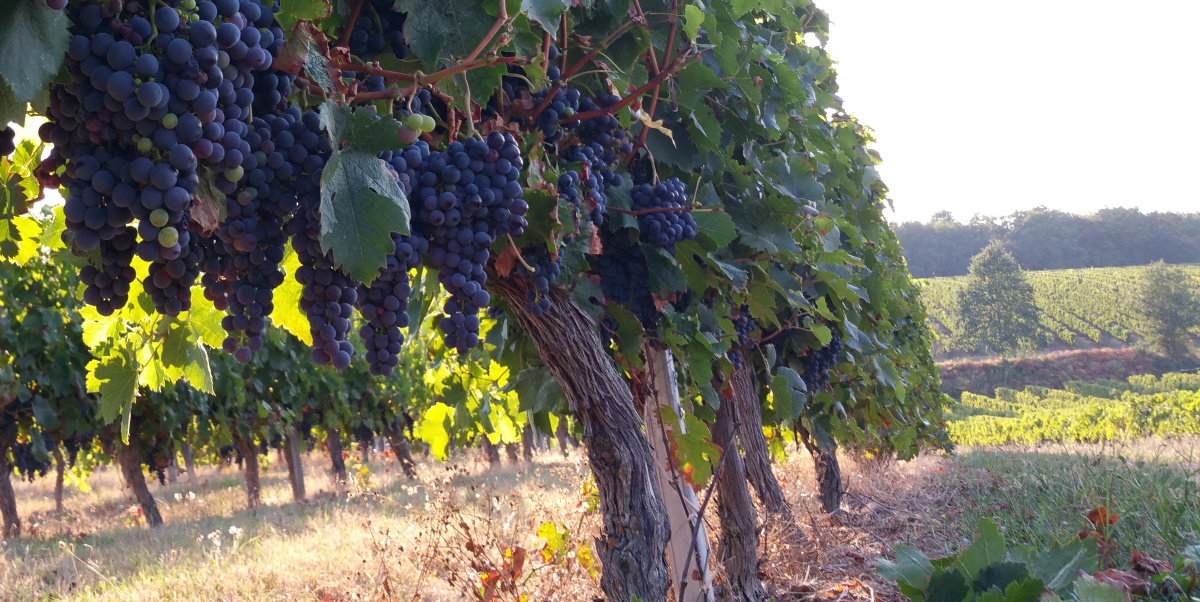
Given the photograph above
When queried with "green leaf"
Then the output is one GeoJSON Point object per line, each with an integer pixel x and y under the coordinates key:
{"type": "Point", "coordinates": [1061, 564]}
{"type": "Point", "coordinates": [911, 567]}
{"type": "Point", "coordinates": [291, 11]}
{"type": "Point", "coordinates": [445, 29]}
{"type": "Point", "coordinates": [115, 378]}
{"type": "Point", "coordinates": [665, 274]}
{"type": "Point", "coordinates": [717, 226]}
{"type": "Point", "coordinates": [537, 390]}
{"type": "Point", "coordinates": [361, 206]}
{"type": "Point", "coordinates": [1090, 589]}
{"type": "Point", "coordinates": [434, 429]}
{"type": "Point", "coordinates": [1026, 590]}
{"type": "Point", "coordinates": [693, 17]}
{"type": "Point", "coordinates": [946, 586]}
{"type": "Point", "coordinates": [987, 549]}
{"type": "Point", "coordinates": [287, 312]}
{"type": "Point", "coordinates": [33, 42]}
{"type": "Point", "coordinates": [545, 13]}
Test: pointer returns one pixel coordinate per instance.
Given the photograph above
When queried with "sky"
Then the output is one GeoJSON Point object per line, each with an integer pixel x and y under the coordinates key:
{"type": "Point", "coordinates": [991, 108]}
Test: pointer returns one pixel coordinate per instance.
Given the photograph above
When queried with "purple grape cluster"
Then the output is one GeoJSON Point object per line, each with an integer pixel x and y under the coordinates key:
{"type": "Point", "coordinates": [818, 363]}
{"type": "Point", "coordinates": [383, 304]}
{"type": "Point", "coordinates": [8, 141]}
{"type": "Point", "coordinates": [379, 28]}
{"type": "Point", "coordinates": [666, 226]}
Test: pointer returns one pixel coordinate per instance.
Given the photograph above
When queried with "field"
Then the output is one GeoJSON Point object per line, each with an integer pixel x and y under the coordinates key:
{"type": "Point", "coordinates": [387, 538]}
{"type": "Point", "coordinates": [1080, 309]}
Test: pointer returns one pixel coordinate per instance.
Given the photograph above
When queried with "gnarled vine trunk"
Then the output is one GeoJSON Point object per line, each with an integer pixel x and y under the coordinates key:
{"type": "Point", "coordinates": [250, 471]}
{"type": "Point", "coordinates": [490, 451]}
{"type": "Point", "coordinates": [333, 442]}
{"type": "Point", "coordinates": [560, 435]}
{"type": "Point", "coordinates": [295, 467]}
{"type": "Point", "coordinates": [8, 499]}
{"type": "Point", "coordinates": [632, 546]}
{"type": "Point", "coordinates": [828, 472]}
{"type": "Point", "coordinates": [738, 545]}
{"type": "Point", "coordinates": [189, 461]}
{"type": "Point", "coordinates": [745, 393]}
{"type": "Point", "coordinates": [403, 454]}
{"type": "Point", "coordinates": [510, 451]}
{"type": "Point", "coordinates": [527, 444]}
{"type": "Point", "coordinates": [130, 458]}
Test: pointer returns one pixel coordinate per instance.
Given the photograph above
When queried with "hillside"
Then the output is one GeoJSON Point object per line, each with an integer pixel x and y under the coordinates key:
{"type": "Point", "coordinates": [1080, 308]}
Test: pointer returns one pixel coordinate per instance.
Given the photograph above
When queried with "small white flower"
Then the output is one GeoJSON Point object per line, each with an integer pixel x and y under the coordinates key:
{"type": "Point", "coordinates": [191, 496]}
{"type": "Point", "coordinates": [178, 497]}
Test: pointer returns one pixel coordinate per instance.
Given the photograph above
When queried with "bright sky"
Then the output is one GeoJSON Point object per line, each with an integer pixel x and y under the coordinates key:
{"type": "Point", "coordinates": [984, 107]}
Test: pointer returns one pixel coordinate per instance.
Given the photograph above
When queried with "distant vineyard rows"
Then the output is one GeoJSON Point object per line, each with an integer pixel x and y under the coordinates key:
{"type": "Point", "coordinates": [1080, 308]}
{"type": "Point", "coordinates": [1105, 410]}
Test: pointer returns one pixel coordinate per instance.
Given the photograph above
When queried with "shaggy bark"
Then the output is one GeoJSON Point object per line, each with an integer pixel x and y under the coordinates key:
{"type": "Point", "coordinates": [8, 499]}
{"type": "Point", "coordinates": [738, 546]}
{"type": "Point", "coordinates": [828, 472]}
{"type": "Point", "coordinates": [527, 444]}
{"type": "Point", "coordinates": [491, 452]}
{"type": "Point", "coordinates": [510, 450]}
{"type": "Point", "coordinates": [250, 471]}
{"type": "Point", "coordinates": [333, 441]}
{"type": "Point", "coordinates": [295, 468]}
{"type": "Point", "coordinates": [60, 468]}
{"type": "Point", "coordinates": [189, 461]}
{"type": "Point", "coordinates": [403, 454]}
{"type": "Point", "coordinates": [632, 546]}
{"type": "Point", "coordinates": [745, 391]}
{"type": "Point", "coordinates": [130, 458]}
{"type": "Point", "coordinates": [560, 434]}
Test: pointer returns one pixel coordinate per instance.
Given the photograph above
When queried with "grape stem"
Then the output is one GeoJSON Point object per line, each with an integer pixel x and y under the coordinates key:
{"type": "Point", "coordinates": [421, 81]}
{"type": "Point", "coordinates": [662, 209]}
{"type": "Point", "coordinates": [636, 94]}
{"type": "Point", "coordinates": [641, 140]}
{"type": "Point", "coordinates": [351, 22]}
{"type": "Point", "coordinates": [612, 37]}
{"type": "Point", "coordinates": [501, 19]}
{"type": "Point", "coordinates": [518, 251]}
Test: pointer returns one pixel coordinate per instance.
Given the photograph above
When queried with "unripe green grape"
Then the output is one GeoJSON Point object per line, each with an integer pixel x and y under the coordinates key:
{"type": "Point", "coordinates": [159, 218]}
{"type": "Point", "coordinates": [415, 121]}
{"type": "Point", "coordinates": [170, 120]}
{"type": "Point", "coordinates": [145, 145]}
{"type": "Point", "coordinates": [168, 236]}
{"type": "Point", "coordinates": [188, 5]}
{"type": "Point", "coordinates": [235, 173]}
{"type": "Point", "coordinates": [429, 124]}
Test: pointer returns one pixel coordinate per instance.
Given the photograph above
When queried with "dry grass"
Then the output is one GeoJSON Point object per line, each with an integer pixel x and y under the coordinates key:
{"type": "Point", "coordinates": [387, 538]}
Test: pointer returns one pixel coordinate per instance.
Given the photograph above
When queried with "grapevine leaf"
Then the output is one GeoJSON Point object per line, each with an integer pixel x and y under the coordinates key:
{"type": "Point", "coordinates": [205, 321]}
{"type": "Point", "coordinates": [197, 370]}
{"type": "Point", "coordinates": [33, 41]}
{"type": "Point", "coordinates": [537, 390]}
{"type": "Point", "coordinates": [444, 29]}
{"type": "Point", "coordinates": [305, 51]}
{"type": "Point", "coordinates": [115, 378]}
{"type": "Point", "coordinates": [435, 429]}
{"type": "Point", "coordinates": [52, 230]}
{"type": "Point", "coordinates": [291, 11]}
{"type": "Point", "coordinates": [693, 16]}
{"type": "Point", "coordinates": [694, 452]}
{"type": "Point", "coordinates": [287, 300]}
{"type": "Point", "coordinates": [665, 274]}
{"type": "Point", "coordinates": [361, 206]}
{"type": "Point", "coordinates": [790, 393]}
{"type": "Point", "coordinates": [717, 226]}
{"type": "Point", "coordinates": [545, 13]}
{"type": "Point", "coordinates": [11, 109]}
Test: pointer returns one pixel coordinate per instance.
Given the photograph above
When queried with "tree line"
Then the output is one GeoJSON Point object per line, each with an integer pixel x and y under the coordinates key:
{"type": "Point", "coordinates": [1047, 239]}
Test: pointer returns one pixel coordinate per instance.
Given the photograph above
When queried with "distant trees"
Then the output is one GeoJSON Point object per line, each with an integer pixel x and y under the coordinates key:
{"type": "Point", "coordinates": [996, 309]}
{"type": "Point", "coordinates": [1044, 239]}
{"type": "Point", "coordinates": [1168, 299]}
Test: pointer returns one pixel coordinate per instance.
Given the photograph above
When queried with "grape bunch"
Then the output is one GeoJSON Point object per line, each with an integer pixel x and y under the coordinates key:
{"type": "Point", "coordinates": [664, 225]}
{"type": "Point", "coordinates": [27, 463]}
{"type": "Point", "coordinates": [379, 26]}
{"type": "Point", "coordinates": [545, 270]}
{"type": "Point", "coordinates": [819, 362]}
{"type": "Point", "coordinates": [8, 141]}
{"type": "Point", "coordinates": [624, 277]}
{"type": "Point", "coordinates": [564, 103]}
{"type": "Point", "coordinates": [462, 199]}
{"type": "Point", "coordinates": [743, 325]}
{"type": "Point", "coordinates": [329, 294]}
{"type": "Point", "coordinates": [159, 96]}
{"type": "Point", "coordinates": [384, 304]}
